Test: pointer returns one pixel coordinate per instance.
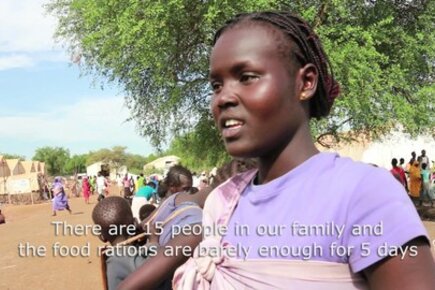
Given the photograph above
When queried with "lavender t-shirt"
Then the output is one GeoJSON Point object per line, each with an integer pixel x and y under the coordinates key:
{"type": "Point", "coordinates": [328, 208]}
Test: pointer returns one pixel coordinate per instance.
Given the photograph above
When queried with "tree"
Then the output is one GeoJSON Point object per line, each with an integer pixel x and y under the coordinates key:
{"type": "Point", "coordinates": [382, 53]}
{"type": "Point", "coordinates": [12, 156]}
{"type": "Point", "coordinates": [115, 157]}
{"type": "Point", "coordinates": [55, 159]}
{"type": "Point", "coordinates": [76, 164]}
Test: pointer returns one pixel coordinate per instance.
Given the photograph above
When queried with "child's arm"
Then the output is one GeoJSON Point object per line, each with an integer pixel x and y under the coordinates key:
{"type": "Point", "coordinates": [410, 272]}
{"type": "Point", "coordinates": [161, 267]}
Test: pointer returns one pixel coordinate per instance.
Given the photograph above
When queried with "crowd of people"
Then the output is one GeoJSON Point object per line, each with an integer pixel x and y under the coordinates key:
{"type": "Point", "coordinates": [417, 177]}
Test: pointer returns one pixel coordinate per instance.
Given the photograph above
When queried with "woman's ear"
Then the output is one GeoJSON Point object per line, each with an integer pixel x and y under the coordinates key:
{"type": "Point", "coordinates": [309, 78]}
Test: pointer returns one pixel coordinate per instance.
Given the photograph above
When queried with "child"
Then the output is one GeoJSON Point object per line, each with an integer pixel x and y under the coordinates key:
{"type": "Point", "coordinates": [113, 214]}
{"type": "Point", "coordinates": [270, 76]}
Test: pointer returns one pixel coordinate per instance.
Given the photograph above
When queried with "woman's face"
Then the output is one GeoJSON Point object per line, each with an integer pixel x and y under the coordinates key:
{"type": "Point", "coordinates": [255, 92]}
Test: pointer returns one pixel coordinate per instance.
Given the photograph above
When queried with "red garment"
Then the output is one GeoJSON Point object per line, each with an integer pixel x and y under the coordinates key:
{"type": "Point", "coordinates": [399, 174]}
{"type": "Point", "coordinates": [86, 188]}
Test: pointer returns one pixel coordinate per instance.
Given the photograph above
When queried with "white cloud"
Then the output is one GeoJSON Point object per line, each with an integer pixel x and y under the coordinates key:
{"type": "Point", "coordinates": [15, 61]}
{"type": "Point", "coordinates": [97, 123]}
{"type": "Point", "coordinates": [26, 34]}
{"type": "Point", "coordinates": [24, 26]}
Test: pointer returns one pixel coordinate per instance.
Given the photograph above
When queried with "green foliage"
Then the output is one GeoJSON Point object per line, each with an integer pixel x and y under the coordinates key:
{"type": "Point", "coordinates": [76, 164]}
{"type": "Point", "coordinates": [12, 156]}
{"type": "Point", "coordinates": [382, 54]}
{"type": "Point", "coordinates": [55, 159]}
{"type": "Point", "coordinates": [191, 147]}
{"type": "Point", "coordinates": [117, 156]}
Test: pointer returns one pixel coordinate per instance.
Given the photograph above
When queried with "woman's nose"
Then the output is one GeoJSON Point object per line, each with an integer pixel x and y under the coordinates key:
{"type": "Point", "coordinates": [227, 97]}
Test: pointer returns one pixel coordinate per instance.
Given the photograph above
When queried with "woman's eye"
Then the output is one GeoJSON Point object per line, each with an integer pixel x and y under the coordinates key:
{"type": "Point", "coordinates": [248, 77]}
{"type": "Point", "coordinates": [215, 86]}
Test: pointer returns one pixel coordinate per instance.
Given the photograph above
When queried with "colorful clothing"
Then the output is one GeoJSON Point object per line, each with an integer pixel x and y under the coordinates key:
{"type": "Point", "coordinates": [399, 174]}
{"type": "Point", "coordinates": [139, 183]}
{"type": "Point", "coordinates": [331, 212]}
{"type": "Point", "coordinates": [414, 180]}
{"type": "Point", "coordinates": [86, 188]}
{"type": "Point", "coordinates": [60, 200]}
{"type": "Point", "coordinates": [142, 197]}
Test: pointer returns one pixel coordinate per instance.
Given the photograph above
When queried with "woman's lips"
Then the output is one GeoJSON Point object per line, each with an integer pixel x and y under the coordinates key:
{"type": "Point", "coordinates": [231, 132]}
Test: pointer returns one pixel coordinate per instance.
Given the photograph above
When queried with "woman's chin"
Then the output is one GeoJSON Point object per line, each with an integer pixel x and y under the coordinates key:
{"type": "Point", "coordinates": [238, 150]}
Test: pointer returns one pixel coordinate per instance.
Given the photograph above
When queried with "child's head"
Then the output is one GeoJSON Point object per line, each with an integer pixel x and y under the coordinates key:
{"type": "Point", "coordinates": [178, 179]}
{"type": "Point", "coordinates": [112, 212]}
{"type": "Point", "coordinates": [394, 162]}
{"type": "Point", "coordinates": [269, 76]}
{"type": "Point", "coordinates": [402, 161]}
{"type": "Point", "coordinates": [145, 211]}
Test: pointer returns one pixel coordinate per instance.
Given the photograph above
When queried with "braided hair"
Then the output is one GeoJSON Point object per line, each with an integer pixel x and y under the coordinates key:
{"type": "Point", "coordinates": [308, 50]}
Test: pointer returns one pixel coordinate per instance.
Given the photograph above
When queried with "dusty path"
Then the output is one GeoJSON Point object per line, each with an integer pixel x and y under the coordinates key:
{"type": "Point", "coordinates": [32, 223]}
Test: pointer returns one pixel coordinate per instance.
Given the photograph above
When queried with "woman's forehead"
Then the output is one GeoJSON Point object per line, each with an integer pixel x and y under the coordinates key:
{"type": "Point", "coordinates": [241, 44]}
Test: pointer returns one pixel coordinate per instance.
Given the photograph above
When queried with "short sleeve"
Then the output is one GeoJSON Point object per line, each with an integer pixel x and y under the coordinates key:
{"type": "Point", "coordinates": [380, 220]}
{"type": "Point", "coordinates": [116, 271]}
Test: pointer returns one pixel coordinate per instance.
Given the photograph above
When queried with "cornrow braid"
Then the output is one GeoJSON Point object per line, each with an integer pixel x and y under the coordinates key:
{"type": "Point", "coordinates": [309, 50]}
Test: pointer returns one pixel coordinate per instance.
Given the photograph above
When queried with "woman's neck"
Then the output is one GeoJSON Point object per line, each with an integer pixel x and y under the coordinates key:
{"type": "Point", "coordinates": [298, 150]}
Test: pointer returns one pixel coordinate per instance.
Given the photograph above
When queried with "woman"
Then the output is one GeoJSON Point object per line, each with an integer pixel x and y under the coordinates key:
{"type": "Point", "coordinates": [86, 188]}
{"type": "Point", "coordinates": [415, 180]}
{"type": "Point", "coordinates": [60, 200]}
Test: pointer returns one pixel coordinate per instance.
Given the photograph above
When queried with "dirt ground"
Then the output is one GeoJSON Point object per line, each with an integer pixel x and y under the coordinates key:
{"type": "Point", "coordinates": [33, 224]}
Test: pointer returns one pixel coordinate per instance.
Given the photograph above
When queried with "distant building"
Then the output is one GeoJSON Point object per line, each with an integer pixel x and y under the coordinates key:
{"type": "Point", "coordinates": [163, 163]}
{"type": "Point", "coordinates": [18, 176]}
{"type": "Point", "coordinates": [380, 152]}
{"type": "Point", "coordinates": [96, 167]}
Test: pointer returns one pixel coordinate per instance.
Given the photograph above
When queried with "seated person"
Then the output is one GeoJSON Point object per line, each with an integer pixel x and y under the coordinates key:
{"type": "Point", "coordinates": [113, 214]}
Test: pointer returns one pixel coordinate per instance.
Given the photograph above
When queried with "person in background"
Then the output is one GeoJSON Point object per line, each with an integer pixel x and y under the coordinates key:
{"type": "Point", "coordinates": [399, 173]}
{"type": "Point", "coordinates": [60, 199]}
{"type": "Point", "coordinates": [101, 186]}
{"type": "Point", "coordinates": [86, 189]}
{"type": "Point", "coordinates": [423, 158]}
{"type": "Point", "coordinates": [142, 197]}
{"type": "Point", "coordinates": [140, 182]}
{"type": "Point", "coordinates": [425, 185]}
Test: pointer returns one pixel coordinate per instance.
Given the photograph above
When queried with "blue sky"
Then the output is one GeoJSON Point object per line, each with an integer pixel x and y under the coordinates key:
{"type": "Point", "coordinates": [43, 99]}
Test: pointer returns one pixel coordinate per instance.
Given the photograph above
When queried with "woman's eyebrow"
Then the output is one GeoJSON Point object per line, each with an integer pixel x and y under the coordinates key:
{"type": "Point", "coordinates": [234, 69]}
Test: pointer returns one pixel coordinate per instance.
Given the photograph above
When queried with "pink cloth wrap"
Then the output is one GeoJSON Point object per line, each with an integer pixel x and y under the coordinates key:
{"type": "Point", "coordinates": [211, 268]}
